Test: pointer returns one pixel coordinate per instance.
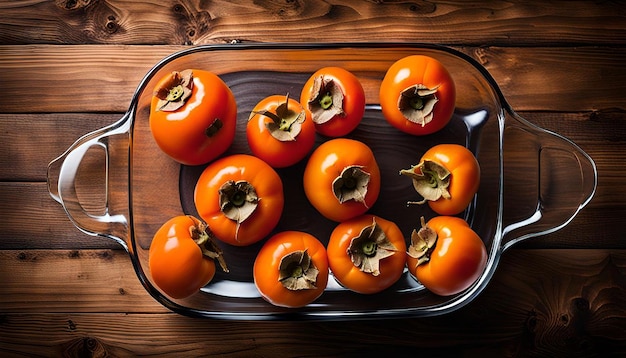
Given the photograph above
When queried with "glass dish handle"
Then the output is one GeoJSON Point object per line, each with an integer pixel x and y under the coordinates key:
{"type": "Point", "coordinates": [552, 179]}
{"type": "Point", "coordinates": [62, 173]}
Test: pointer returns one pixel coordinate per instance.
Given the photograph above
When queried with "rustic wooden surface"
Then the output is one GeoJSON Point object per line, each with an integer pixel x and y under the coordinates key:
{"type": "Point", "coordinates": [69, 67]}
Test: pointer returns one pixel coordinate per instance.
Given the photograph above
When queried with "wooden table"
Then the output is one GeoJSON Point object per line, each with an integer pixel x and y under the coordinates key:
{"type": "Point", "coordinates": [70, 67]}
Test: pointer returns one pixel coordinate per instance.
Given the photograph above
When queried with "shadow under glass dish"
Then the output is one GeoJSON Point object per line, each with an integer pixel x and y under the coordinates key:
{"type": "Point", "coordinates": [532, 181]}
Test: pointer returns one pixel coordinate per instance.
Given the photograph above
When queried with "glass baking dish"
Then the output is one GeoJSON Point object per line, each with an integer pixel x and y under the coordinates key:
{"type": "Point", "coordinates": [532, 181]}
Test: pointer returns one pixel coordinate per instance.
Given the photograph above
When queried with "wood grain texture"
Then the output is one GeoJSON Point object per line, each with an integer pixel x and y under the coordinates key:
{"type": "Point", "coordinates": [27, 203]}
{"type": "Point", "coordinates": [531, 79]}
{"type": "Point", "coordinates": [32, 219]}
{"type": "Point", "coordinates": [25, 195]}
{"type": "Point", "coordinates": [24, 136]}
{"type": "Point", "coordinates": [506, 320]}
{"type": "Point", "coordinates": [68, 67]}
{"type": "Point", "coordinates": [29, 287]}
{"type": "Point", "coordinates": [516, 23]}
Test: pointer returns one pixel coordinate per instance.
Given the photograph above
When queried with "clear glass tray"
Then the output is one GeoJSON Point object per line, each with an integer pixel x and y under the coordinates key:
{"type": "Point", "coordinates": [533, 181]}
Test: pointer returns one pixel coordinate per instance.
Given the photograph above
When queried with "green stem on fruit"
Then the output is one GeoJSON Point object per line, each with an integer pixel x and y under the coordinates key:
{"type": "Point", "coordinates": [297, 271]}
{"type": "Point", "coordinates": [174, 91]}
{"type": "Point", "coordinates": [286, 122]}
{"type": "Point", "coordinates": [326, 100]}
{"type": "Point", "coordinates": [430, 179]}
{"type": "Point", "coordinates": [351, 184]}
{"type": "Point", "coordinates": [370, 247]}
{"type": "Point", "coordinates": [417, 103]}
{"type": "Point", "coordinates": [238, 200]}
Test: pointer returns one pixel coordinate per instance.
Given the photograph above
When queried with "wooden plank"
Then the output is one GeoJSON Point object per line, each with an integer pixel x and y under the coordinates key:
{"type": "Point", "coordinates": [25, 196]}
{"type": "Point", "coordinates": [600, 133]}
{"type": "Point", "coordinates": [603, 232]}
{"type": "Point", "coordinates": [556, 78]}
{"type": "Point", "coordinates": [74, 78]}
{"type": "Point", "coordinates": [584, 128]}
{"type": "Point", "coordinates": [559, 63]}
{"type": "Point", "coordinates": [85, 280]}
{"type": "Point", "coordinates": [172, 22]}
{"type": "Point", "coordinates": [22, 153]}
{"type": "Point", "coordinates": [85, 78]}
{"type": "Point", "coordinates": [31, 219]}
{"type": "Point", "coordinates": [540, 303]}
